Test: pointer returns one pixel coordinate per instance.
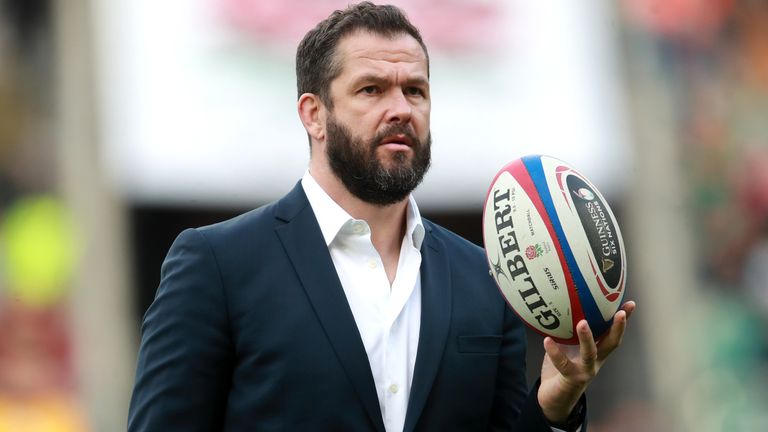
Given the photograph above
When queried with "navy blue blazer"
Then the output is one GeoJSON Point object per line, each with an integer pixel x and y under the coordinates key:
{"type": "Point", "coordinates": [250, 330]}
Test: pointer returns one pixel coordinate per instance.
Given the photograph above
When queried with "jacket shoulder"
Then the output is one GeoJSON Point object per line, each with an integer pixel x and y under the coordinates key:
{"type": "Point", "coordinates": [453, 242]}
{"type": "Point", "coordinates": [257, 219]}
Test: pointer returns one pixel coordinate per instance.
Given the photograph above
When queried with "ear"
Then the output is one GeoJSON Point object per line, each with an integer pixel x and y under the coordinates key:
{"type": "Point", "coordinates": [312, 115]}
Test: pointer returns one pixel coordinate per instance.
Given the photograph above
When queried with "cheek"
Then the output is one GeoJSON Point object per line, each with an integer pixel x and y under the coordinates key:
{"type": "Point", "coordinates": [421, 122]}
{"type": "Point", "coordinates": [362, 120]}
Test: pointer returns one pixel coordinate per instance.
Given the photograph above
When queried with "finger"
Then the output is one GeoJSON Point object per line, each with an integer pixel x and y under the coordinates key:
{"type": "Point", "coordinates": [559, 359]}
{"type": "Point", "coordinates": [615, 334]}
{"type": "Point", "coordinates": [629, 307]}
{"type": "Point", "coordinates": [587, 345]}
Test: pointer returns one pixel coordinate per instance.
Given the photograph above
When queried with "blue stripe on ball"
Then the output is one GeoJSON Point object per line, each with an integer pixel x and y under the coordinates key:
{"type": "Point", "coordinates": [588, 305]}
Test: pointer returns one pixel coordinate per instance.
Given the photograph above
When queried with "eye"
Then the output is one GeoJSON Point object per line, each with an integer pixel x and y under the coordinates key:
{"type": "Point", "coordinates": [371, 90]}
{"type": "Point", "coordinates": [415, 91]}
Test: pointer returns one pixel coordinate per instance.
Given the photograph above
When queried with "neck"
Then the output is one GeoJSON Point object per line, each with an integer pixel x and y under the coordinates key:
{"type": "Point", "coordinates": [387, 223]}
{"type": "Point", "coordinates": [389, 218]}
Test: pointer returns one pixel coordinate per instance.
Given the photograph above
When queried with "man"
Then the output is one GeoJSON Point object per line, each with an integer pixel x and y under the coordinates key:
{"type": "Point", "coordinates": [338, 308]}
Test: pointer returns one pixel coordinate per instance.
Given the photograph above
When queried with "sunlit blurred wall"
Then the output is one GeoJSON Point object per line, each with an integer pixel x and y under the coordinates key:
{"type": "Point", "coordinates": [199, 96]}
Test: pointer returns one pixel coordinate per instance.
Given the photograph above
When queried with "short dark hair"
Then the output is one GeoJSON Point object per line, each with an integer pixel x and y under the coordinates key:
{"type": "Point", "coordinates": [316, 62]}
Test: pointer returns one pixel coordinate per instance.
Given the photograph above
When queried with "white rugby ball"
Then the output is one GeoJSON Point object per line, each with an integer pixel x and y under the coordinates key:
{"type": "Point", "coordinates": [554, 247]}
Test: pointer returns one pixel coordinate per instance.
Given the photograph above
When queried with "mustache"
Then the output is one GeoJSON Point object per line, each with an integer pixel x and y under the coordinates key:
{"type": "Point", "coordinates": [396, 129]}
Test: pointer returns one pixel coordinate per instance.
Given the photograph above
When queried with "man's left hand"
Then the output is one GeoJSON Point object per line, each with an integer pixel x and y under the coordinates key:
{"type": "Point", "coordinates": [567, 371]}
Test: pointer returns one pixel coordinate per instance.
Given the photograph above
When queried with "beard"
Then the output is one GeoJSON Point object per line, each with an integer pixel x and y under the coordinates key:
{"type": "Point", "coordinates": [356, 164]}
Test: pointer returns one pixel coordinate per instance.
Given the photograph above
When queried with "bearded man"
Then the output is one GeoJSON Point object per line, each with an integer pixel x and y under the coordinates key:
{"type": "Point", "coordinates": [338, 307]}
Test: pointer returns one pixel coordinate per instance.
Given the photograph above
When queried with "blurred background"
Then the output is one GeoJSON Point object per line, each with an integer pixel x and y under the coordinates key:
{"type": "Point", "coordinates": [124, 121]}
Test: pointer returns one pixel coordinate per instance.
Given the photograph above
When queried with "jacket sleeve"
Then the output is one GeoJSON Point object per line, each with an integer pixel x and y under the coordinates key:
{"type": "Point", "coordinates": [185, 359]}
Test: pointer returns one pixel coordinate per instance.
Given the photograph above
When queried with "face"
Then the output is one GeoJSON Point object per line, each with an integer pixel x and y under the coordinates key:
{"type": "Point", "coordinates": [362, 171]}
{"type": "Point", "coordinates": [377, 135]}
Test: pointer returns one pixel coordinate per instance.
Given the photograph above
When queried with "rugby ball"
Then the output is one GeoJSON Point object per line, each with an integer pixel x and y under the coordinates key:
{"type": "Point", "coordinates": [554, 248]}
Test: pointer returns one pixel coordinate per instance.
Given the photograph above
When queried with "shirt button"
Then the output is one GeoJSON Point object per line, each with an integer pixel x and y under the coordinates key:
{"type": "Point", "coordinates": [357, 228]}
{"type": "Point", "coordinates": [372, 264]}
{"type": "Point", "coordinates": [393, 388]}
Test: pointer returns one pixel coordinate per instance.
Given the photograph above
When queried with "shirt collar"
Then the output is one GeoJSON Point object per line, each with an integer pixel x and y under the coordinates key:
{"type": "Point", "coordinates": [332, 218]}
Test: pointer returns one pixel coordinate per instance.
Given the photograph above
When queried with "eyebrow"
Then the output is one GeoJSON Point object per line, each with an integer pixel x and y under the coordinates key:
{"type": "Point", "coordinates": [382, 80]}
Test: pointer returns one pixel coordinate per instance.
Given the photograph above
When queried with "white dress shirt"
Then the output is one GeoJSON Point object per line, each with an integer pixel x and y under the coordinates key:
{"type": "Point", "coordinates": [388, 317]}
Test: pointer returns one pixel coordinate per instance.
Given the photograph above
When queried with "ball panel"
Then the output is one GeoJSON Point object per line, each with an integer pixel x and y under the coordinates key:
{"type": "Point", "coordinates": [546, 267]}
{"type": "Point", "coordinates": [509, 219]}
{"type": "Point", "coordinates": [523, 256]}
{"type": "Point", "coordinates": [527, 171]}
{"type": "Point", "coordinates": [581, 295]}
{"type": "Point", "coordinates": [591, 227]}
{"type": "Point", "coordinates": [544, 171]}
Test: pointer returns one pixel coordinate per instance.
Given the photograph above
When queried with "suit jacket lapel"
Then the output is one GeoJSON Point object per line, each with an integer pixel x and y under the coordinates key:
{"type": "Point", "coordinates": [304, 244]}
{"type": "Point", "coordinates": [435, 322]}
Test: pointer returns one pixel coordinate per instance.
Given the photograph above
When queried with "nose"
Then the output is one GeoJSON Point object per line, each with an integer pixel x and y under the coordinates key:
{"type": "Point", "coordinates": [400, 108]}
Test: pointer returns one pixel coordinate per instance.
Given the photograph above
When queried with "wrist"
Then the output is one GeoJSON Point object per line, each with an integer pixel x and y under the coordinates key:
{"type": "Point", "coordinates": [573, 420]}
{"type": "Point", "coordinates": [559, 412]}
{"type": "Point", "coordinates": [558, 405]}
{"type": "Point", "coordinates": [557, 416]}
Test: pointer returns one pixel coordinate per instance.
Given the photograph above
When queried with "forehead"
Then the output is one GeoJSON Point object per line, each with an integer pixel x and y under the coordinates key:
{"type": "Point", "coordinates": [363, 50]}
